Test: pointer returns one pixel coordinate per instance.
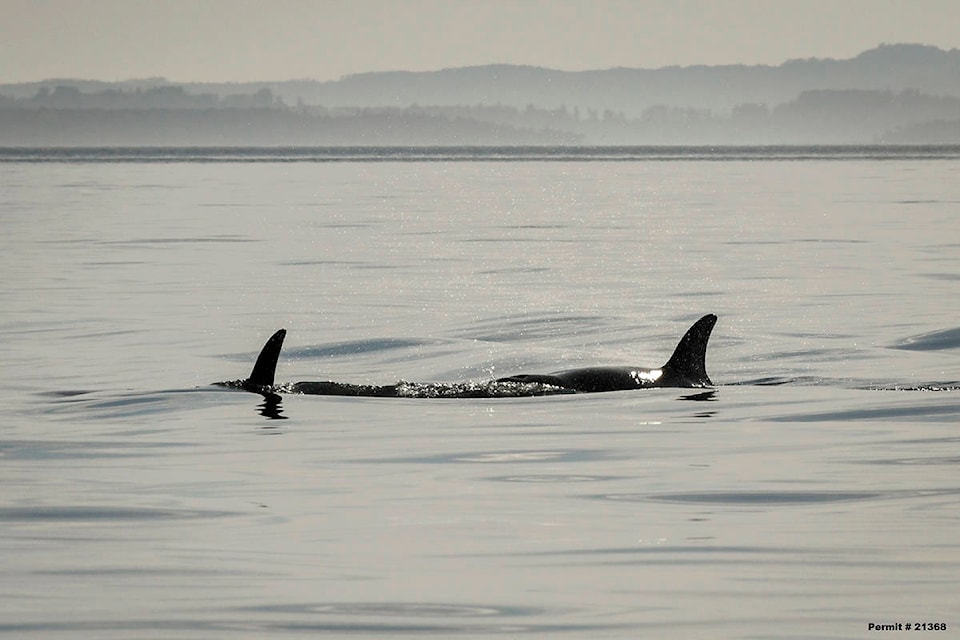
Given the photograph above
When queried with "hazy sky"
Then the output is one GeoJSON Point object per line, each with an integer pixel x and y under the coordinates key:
{"type": "Point", "coordinates": [235, 40]}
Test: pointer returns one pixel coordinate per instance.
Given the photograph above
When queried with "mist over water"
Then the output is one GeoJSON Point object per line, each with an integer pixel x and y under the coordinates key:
{"type": "Point", "coordinates": [812, 492]}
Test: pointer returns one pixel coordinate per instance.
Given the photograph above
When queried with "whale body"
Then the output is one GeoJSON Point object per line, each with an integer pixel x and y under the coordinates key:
{"type": "Point", "coordinates": [685, 368]}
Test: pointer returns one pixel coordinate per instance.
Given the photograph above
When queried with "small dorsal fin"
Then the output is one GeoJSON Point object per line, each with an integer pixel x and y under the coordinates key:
{"type": "Point", "coordinates": [689, 360]}
{"type": "Point", "coordinates": [266, 366]}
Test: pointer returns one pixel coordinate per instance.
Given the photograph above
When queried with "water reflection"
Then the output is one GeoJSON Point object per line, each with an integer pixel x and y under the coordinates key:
{"type": "Point", "coordinates": [705, 396]}
{"type": "Point", "coordinates": [271, 407]}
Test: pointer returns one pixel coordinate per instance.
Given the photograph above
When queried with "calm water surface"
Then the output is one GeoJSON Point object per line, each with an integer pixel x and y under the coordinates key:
{"type": "Point", "coordinates": [815, 492]}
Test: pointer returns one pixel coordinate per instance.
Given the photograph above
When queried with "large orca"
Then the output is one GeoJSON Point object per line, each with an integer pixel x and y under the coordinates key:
{"type": "Point", "coordinates": [685, 368]}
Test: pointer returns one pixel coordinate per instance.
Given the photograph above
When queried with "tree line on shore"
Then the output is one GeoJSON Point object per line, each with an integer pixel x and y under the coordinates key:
{"type": "Point", "coordinates": [171, 115]}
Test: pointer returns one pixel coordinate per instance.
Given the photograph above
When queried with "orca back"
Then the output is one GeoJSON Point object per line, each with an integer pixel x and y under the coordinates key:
{"type": "Point", "coordinates": [686, 368]}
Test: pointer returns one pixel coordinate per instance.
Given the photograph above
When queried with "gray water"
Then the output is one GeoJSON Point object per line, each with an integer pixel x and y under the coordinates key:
{"type": "Point", "coordinates": [815, 492]}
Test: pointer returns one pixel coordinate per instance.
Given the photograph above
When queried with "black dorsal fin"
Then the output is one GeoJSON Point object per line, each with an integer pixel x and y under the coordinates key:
{"type": "Point", "coordinates": [266, 366]}
{"type": "Point", "coordinates": [688, 364]}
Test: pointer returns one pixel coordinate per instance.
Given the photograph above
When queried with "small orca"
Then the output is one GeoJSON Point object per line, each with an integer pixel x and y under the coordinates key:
{"type": "Point", "coordinates": [685, 368]}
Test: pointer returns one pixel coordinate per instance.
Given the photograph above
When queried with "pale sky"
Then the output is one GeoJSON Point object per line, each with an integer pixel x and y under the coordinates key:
{"type": "Point", "coordinates": [238, 40]}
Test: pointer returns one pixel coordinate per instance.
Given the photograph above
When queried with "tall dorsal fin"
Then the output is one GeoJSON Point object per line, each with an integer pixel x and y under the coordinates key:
{"type": "Point", "coordinates": [266, 366]}
{"type": "Point", "coordinates": [689, 360]}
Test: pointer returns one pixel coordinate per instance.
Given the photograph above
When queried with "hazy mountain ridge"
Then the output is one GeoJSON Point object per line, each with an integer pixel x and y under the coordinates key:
{"type": "Point", "coordinates": [886, 94]}
{"type": "Point", "coordinates": [631, 90]}
{"type": "Point", "coordinates": [893, 67]}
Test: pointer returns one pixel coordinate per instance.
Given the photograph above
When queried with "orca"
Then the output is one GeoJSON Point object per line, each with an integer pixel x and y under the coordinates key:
{"type": "Point", "coordinates": [686, 368]}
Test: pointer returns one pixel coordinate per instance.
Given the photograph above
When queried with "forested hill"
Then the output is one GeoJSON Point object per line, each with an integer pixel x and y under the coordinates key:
{"type": "Point", "coordinates": [902, 93]}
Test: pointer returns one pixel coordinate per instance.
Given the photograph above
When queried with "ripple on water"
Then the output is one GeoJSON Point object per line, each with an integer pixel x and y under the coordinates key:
{"type": "Point", "coordinates": [932, 341]}
{"type": "Point", "coordinates": [550, 478]}
{"type": "Point", "coordinates": [419, 617]}
{"type": "Point", "coordinates": [771, 498]}
{"type": "Point", "coordinates": [96, 513]}
{"type": "Point", "coordinates": [746, 498]}
{"type": "Point", "coordinates": [507, 457]}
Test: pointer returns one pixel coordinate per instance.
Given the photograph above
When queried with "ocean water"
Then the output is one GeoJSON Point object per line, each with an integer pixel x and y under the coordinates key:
{"type": "Point", "coordinates": [814, 492]}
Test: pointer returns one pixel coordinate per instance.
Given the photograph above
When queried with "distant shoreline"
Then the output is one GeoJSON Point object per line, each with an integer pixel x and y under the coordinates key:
{"type": "Point", "coordinates": [454, 153]}
{"type": "Point", "coordinates": [893, 94]}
